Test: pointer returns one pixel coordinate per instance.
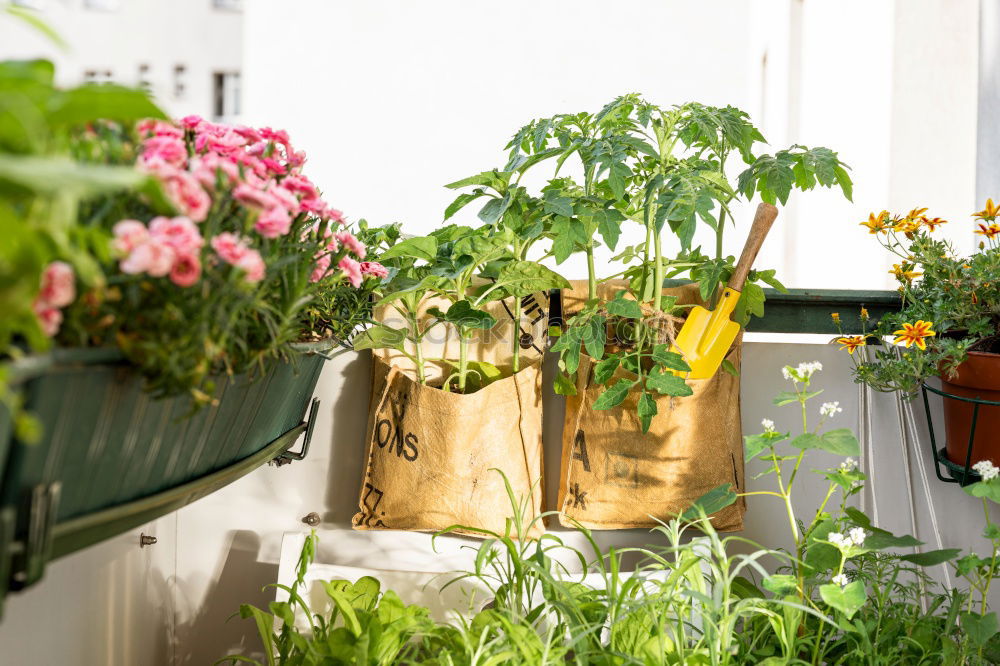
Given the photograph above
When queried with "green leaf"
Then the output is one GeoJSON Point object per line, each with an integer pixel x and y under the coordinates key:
{"type": "Point", "coordinates": [668, 384]}
{"type": "Point", "coordinates": [714, 500]}
{"type": "Point", "coordinates": [624, 307]}
{"type": "Point", "coordinates": [419, 247]}
{"type": "Point", "coordinates": [988, 489]}
{"type": "Point", "coordinates": [604, 370]}
{"type": "Point", "coordinates": [751, 304]}
{"type": "Point", "coordinates": [841, 442]}
{"type": "Point", "coordinates": [563, 385]}
{"type": "Point", "coordinates": [556, 205]}
{"type": "Point", "coordinates": [613, 395]}
{"type": "Point", "coordinates": [755, 444]}
{"type": "Point", "coordinates": [665, 358]}
{"type": "Point", "coordinates": [848, 599]}
{"type": "Point", "coordinates": [788, 397]}
{"type": "Point", "coordinates": [781, 584]}
{"type": "Point", "coordinates": [730, 368]}
{"type": "Point", "coordinates": [646, 409]}
{"type": "Point", "coordinates": [380, 336]}
{"type": "Point", "coordinates": [520, 278]}
{"type": "Point", "coordinates": [609, 226]}
{"type": "Point", "coordinates": [979, 628]}
{"type": "Point", "coordinates": [595, 337]}
{"type": "Point", "coordinates": [87, 103]}
{"type": "Point", "coordinates": [462, 314]}
{"type": "Point", "coordinates": [932, 557]}
{"type": "Point", "coordinates": [49, 175]}
{"type": "Point", "coordinates": [461, 201]}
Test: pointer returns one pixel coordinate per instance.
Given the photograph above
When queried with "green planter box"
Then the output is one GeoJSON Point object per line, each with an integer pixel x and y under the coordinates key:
{"type": "Point", "coordinates": [110, 451]}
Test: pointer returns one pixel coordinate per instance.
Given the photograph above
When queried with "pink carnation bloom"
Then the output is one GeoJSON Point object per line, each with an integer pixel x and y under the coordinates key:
{"type": "Point", "coordinates": [274, 166]}
{"type": "Point", "coordinates": [302, 185]}
{"type": "Point", "coordinates": [186, 270]}
{"type": "Point", "coordinates": [253, 265]}
{"type": "Point", "coordinates": [296, 158]}
{"type": "Point", "coordinates": [321, 269]}
{"type": "Point", "coordinates": [230, 247]}
{"type": "Point", "coordinates": [248, 133]}
{"type": "Point", "coordinates": [313, 205]}
{"type": "Point", "coordinates": [50, 319]}
{"type": "Point", "coordinates": [255, 197]}
{"type": "Point", "coordinates": [346, 239]}
{"type": "Point", "coordinates": [154, 127]}
{"type": "Point", "coordinates": [129, 234]}
{"type": "Point", "coordinates": [164, 150]}
{"type": "Point", "coordinates": [206, 170]}
{"type": "Point", "coordinates": [280, 136]}
{"type": "Point", "coordinates": [273, 222]}
{"type": "Point", "coordinates": [192, 121]}
{"type": "Point", "coordinates": [352, 270]}
{"type": "Point", "coordinates": [58, 285]}
{"type": "Point", "coordinates": [332, 214]}
{"type": "Point", "coordinates": [284, 197]}
{"type": "Point", "coordinates": [179, 233]}
{"type": "Point", "coordinates": [226, 142]}
{"type": "Point", "coordinates": [153, 257]}
{"type": "Point", "coordinates": [374, 269]}
{"type": "Point", "coordinates": [184, 190]}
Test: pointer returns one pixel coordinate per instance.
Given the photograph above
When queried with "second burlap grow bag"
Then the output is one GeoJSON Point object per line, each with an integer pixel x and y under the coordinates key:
{"type": "Point", "coordinates": [614, 476]}
{"type": "Point", "coordinates": [432, 455]}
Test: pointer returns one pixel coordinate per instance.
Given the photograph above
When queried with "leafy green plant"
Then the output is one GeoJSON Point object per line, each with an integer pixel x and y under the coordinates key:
{"type": "Point", "coordinates": [664, 169]}
{"type": "Point", "coordinates": [949, 302]}
{"type": "Point", "coordinates": [842, 594]}
{"type": "Point", "coordinates": [467, 267]}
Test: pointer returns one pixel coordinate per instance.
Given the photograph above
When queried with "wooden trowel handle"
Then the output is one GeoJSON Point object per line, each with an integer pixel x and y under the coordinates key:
{"type": "Point", "coordinates": [762, 222]}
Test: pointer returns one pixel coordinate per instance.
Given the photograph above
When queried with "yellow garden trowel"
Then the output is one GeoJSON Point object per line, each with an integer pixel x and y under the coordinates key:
{"type": "Point", "coordinates": [707, 335]}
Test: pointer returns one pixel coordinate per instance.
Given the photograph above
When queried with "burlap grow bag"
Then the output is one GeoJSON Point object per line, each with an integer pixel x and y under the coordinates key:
{"type": "Point", "coordinates": [432, 454]}
{"type": "Point", "coordinates": [615, 476]}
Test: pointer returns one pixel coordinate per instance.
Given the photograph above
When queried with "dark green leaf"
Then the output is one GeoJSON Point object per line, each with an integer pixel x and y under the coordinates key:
{"type": "Point", "coordinates": [614, 395]}
{"type": "Point", "coordinates": [646, 409]}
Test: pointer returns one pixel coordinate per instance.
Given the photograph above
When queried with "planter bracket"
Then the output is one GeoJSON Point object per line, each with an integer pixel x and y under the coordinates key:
{"type": "Point", "coordinates": [287, 457]}
{"type": "Point", "coordinates": [960, 474]}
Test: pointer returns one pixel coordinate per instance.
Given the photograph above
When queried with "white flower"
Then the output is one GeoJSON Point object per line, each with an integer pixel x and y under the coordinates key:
{"type": "Point", "coordinates": [786, 372]}
{"type": "Point", "coordinates": [857, 536]}
{"type": "Point", "coordinates": [768, 425]}
{"type": "Point", "coordinates": [986, 470]}
{"type": "Point", "coordinates": [849, 465]}
{"type": "Point", "coordinates": [805, 370]}
{"type": "Point", "coordinates": [839, 540]}
{"type": "Point", "coordinates": [830, 409]}
{"type": "Point", "coordinates": [840, 579]}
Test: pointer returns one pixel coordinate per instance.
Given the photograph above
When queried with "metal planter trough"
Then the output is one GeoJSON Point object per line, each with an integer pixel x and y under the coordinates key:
{"type": "Point", "coordinates": [111, 457]}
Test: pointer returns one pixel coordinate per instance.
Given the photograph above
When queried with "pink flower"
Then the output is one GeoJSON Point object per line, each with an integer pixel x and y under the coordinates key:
{"type": "Point", "coordinates": [255, 197]}
{"type": "Point", "coordinates": [164, 150]}
{"type": "Point", "coordinates": [186, 270]}
{"type": "Point", "coordinates": [180, 233]}
{"type": "Point", "coordinates": [206, 170]}
{"type": "Point", "coordinates": [248, 133]}
{"type": "Point", "coordinates": [225, 142]}
{"type": "Point", "coordinates": [129, 234]}
{"type": "Point", "coordinates": [230, 247]}
{"type": "Point", "coordinates": [153, 257]}
{"type": "Point", "coordinates": [273, 222]}
{"type": "Point", "coordinates": [302, 185]}
{"type": "Point", "coordinates": [346, 239]}
{"type": "Point", "coordinates": [313, 205]}
{"type": "Point", "coordinates": [274, 166]}
{"type": "Point", "coordinates": [296, 158]}
{"type": "Point", "coordinates": [332, 214]}
{"type": "Point", "coordinates": [284, 198]}
{"type": "Point", "coordinates": [253, 265]}
{"type": "Point", "coordinates": [154, 127]}
{"type": "Point", "coordinates": [352, 270]}
{"type": "Point", "coordinates": [374, 269]}
{"type": "Point", "coordinates": [50, 319]}
{"type": "Point", "coordinates": [321, 269]}
{"type": "Point", "coordinates": [58, 285]}
{"type": "Point", "coordinates": [280, 136]}
{"type": "Point", "coordinates": [192, 121]}
{"type": "Point", "coordinates": [184, 190]}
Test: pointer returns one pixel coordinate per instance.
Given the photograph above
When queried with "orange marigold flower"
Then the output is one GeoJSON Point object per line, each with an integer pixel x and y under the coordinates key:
{"type": "Point", "coordinates": [933, 223]}
{"type": "Point", "coordinates": [990, 212]}
{"type": "Point", "coordinates": [914, 334]}
{"type": "Point", "coordinates": [904, 272]}
{"type": "Point", "coordinates": [835, 316]}
{"type": "Point", "coordinates": [877, 223]}
{"type": "Point", "coordinates": [990, 231]}
{"type": "Point", "coordinates": [851, 343]}
{"type": "Point", "coordinates": [864, 314]}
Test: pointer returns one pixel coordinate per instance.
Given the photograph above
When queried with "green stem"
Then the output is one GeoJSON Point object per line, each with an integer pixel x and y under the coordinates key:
{"type": "Point", "coordinates": [591, 274]}
{"type": "Point", "coordinates": [719, 232]}
{"type": "Point", "coordinates": [516, 342]}
{"type": "Point", "coordinates": [657, 270]}
{"type": "Point", "coordinates": [463, 359]}
{"type": "Point", "coordinates": [993, 563]}
{"type": "Point", "coordinates": [417, 346]}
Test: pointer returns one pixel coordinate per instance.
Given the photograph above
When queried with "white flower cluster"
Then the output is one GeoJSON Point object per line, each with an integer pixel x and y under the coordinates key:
{"type": "Point", "coordinates": [986, 470]}
{"type": "Point", "coordinates": [849, 465]}
{"type": "Point", "coordinates": [830, 409]}
{"type": "Point", "coordinates": [840, 579]}
{"type": "Point", "coordinates": [803, 372]}
{"type": "Point", "coordinates": [855, 537]}
{"type": "Point", "coordinates": [768, 425]}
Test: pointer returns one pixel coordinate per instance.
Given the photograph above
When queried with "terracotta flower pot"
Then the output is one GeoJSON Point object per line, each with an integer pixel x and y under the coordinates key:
{"type": "Point", "coordinates": [978, 377]}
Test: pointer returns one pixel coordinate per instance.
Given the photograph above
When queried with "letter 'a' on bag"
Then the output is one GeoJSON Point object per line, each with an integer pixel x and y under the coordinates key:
{"type": "Point", "coordinates": [614, 476]}
{"type": "Point", "coordinates": [433, 455]}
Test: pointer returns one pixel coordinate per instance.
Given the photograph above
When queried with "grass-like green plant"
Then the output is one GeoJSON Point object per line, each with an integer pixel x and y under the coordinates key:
{"type": "Point", "coordinates": [841, 595]}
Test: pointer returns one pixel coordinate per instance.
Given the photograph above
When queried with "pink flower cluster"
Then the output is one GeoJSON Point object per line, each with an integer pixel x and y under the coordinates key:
{"type": "Point", "coordinates": [169, 246]}
{"type": "Point", "coordinates": [58, 289]}
{"type": "Point", "coordinates": [199, 163]}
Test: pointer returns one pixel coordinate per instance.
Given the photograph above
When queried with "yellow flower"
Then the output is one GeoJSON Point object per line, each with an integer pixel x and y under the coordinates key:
{"type": "Point", "coordinates": [933, 223]}
{"type": "Point", "coordinates": [835, 316]}
{"type": "Point", "coordinates": [878, 223]}
{"type": "Point", "coordinates": [915, 213]}
{"type": "Point", "coordinates": [904, 272]}
{"type": "Point", "coordinates": [914, 334]}
{"type": "Point", "coordinates": [864, 314]}
{"type": "Point", "coordinates": [906, 225]}
{"type": "Point", "coordinates": [989, 213]}
{"type": "Point", "coordinates": [851, 343]}
{"type": "Point", "coordinates": [990, 231]}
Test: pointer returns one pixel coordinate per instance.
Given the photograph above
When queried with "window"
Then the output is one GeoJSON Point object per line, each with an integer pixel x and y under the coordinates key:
{"type": "Point", "coordinates": [144, 82]}
{"type": "Point", "coordinates": [226, 94]}
{"type": "Point", "coordinates": [97, 76]}
{"type": "Point", "coordinates": [180, 81]}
